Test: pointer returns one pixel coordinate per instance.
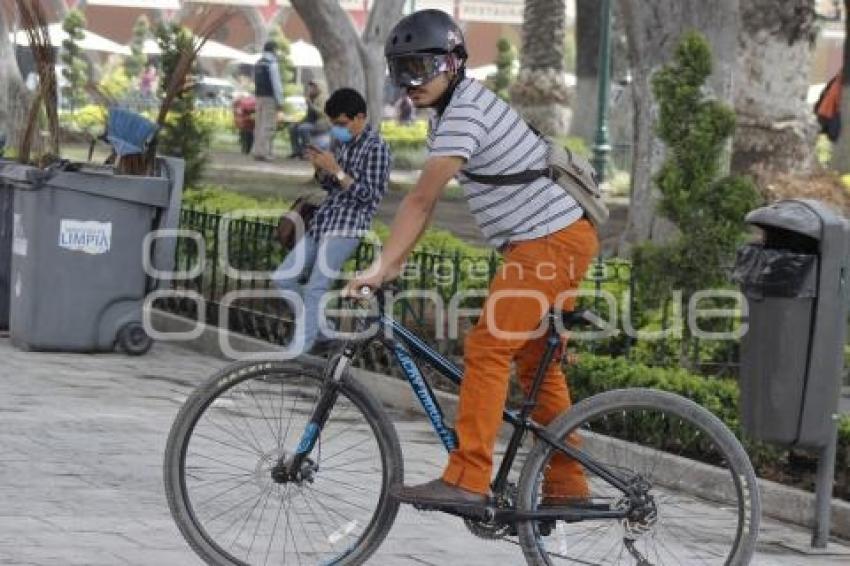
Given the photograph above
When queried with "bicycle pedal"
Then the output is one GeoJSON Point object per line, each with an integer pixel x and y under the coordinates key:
{"type": "Point", "coordinates": [545, 528]}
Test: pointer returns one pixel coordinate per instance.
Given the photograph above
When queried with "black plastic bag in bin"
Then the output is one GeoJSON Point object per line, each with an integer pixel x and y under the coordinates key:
{"type": "Point", "coordinates": [775, 272]}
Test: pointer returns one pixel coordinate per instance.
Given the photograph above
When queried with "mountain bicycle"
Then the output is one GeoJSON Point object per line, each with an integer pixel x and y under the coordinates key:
{"type": "Point", "coordinates": [283, 463]}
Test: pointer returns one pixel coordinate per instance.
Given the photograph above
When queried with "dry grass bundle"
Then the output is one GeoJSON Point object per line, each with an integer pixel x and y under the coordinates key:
{"type": "Point", "coordinates": [33, 20]}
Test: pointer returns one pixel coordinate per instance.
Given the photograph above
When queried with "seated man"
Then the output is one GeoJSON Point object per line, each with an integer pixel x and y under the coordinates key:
{"type": "Point", "coordinates": [356, 175]}
{"type": "Point", "coordinates": [299, 134]}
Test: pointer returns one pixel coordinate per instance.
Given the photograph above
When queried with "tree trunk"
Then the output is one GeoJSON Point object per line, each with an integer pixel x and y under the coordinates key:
{"type": "Point", "coordinates": [588, 21]}
{"type": "Point", "coordinates": [654, 30]}
{"type": "Point", "coordinates": [841, 148]}
{"type": "Point", "coordinates": [350, 61]}
{"type": "Point", "coordinates": [14, 97]}
{"type": "Point", "coordinates": [382, 18]}
{"type": "Point", "coordinates": [776, 126]}
{"type": "Point", "coordinates": [540, 91]}
{"type": "Point", "coordinates": [334, 35]}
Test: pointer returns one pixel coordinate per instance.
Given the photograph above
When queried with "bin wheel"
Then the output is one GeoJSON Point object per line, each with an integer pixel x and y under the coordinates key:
{"type": "Point", "coordinates": [133, 339]}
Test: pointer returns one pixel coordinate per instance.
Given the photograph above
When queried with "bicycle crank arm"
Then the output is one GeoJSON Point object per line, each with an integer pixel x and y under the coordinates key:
{"type": "Point", "coordinates": [568, 514]}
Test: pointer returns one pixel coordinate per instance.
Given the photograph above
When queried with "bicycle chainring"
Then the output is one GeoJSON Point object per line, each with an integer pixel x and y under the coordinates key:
{"type": "Point", "coordinates": [491, 530]}
{"type": "Point", "coordinates": [487, 530]}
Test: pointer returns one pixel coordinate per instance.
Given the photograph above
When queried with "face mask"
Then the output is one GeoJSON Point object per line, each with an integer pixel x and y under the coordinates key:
{"type": "Point", "coordinates": [341, 134]}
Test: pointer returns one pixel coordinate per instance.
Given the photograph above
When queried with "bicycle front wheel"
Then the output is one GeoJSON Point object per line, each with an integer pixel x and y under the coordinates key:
{"type": "Point", "coordinates": [231, 433]}
{"type": "Point", "coordinates": [702, 502]}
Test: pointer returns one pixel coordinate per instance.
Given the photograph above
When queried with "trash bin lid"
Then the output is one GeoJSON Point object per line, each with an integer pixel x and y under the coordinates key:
{"type": "Point", "coordinates": [794, 215]}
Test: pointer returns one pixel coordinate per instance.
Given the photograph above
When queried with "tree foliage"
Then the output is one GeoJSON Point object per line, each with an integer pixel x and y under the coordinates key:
{"type": "Point", "coordinates": [184, 135]}
{"type": "Point", "coordinates": [76, 70]}
{"type": "Point", "coordinates": [504, 76]}
{"type": "Point", "coordinates": [135, 63]}
{"type": "Point", "coordinates": [707, 209]}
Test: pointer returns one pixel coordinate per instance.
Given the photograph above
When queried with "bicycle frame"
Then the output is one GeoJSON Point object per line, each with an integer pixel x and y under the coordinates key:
{"type": "Point", "coordinates": [404, 345]}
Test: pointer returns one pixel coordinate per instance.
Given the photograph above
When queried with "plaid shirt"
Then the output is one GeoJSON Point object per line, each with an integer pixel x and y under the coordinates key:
{"type": "Point", "coordinates": [348, 212]}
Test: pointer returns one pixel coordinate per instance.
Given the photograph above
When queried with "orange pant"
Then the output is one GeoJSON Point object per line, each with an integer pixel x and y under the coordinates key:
{"type": "Point", "coordinates": [534, 273]}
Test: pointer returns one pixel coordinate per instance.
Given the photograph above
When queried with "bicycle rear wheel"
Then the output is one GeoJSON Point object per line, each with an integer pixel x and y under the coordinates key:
{"type": "Point", "coordinates": [697, 512]}
{"type": "Point", "coordinates": [232, 431]}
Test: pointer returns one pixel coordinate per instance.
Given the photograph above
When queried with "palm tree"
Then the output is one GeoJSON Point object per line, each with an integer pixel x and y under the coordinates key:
{"type": "Point", "coordinates": [540, 91]}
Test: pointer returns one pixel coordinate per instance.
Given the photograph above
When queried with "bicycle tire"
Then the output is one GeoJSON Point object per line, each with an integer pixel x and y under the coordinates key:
{"type": "Point", "coordinates": [205, 396]}
{"type": "Point", "coordinates": [616, 404]}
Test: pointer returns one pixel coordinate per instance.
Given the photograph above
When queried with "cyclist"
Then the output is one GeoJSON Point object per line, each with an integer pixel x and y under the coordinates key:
{"type": "Point", "coordinates": [546, 241]}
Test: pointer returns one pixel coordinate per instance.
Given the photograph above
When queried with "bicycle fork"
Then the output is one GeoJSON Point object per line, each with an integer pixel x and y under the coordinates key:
{"type": "Point", "coordinates": [298, 466]}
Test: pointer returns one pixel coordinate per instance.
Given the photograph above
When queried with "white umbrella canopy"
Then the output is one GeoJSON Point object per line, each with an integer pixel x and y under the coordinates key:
{"type": "Point", "coordinates": [301, 53]}
{"type": "Point", "coordinates": [248, 59]}
{"type": "Point", "coordinates": [215, 50]}
{"type": "Point", "coordinates": [305, 54]}
{"type": "Point", "coordinates": [210, 50]}
{"type": "Point", "coordinates": [90, 42]}
{"type": "Point", "coordinates": [151, 47]}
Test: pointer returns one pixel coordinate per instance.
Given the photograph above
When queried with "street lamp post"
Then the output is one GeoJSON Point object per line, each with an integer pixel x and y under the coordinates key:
{"type": "Point", "coordinates": [602, 145]}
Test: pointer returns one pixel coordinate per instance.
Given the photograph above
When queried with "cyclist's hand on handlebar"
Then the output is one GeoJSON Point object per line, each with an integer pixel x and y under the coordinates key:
{"type": "Point", "coordinates": [372, 278]}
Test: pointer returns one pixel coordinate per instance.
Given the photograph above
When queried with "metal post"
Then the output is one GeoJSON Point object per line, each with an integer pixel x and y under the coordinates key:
{"type": "Point", "coordinates": [823, 488]}
{"type": "Point", "coordinates": [602, 146]}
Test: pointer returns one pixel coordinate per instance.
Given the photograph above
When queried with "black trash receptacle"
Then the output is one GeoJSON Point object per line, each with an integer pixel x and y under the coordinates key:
{"type": "Point", "coordinates": [792, 353]}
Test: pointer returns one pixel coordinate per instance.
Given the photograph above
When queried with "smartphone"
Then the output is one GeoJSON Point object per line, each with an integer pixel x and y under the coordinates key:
{"type": "Point", "coordinates": [320, 141]}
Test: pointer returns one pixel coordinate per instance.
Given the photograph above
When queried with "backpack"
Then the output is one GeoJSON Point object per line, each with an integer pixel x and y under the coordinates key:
{"type": "Point", "coordinates": [571, 172]}
{"type": "Point", "coordinates": [828, 108]}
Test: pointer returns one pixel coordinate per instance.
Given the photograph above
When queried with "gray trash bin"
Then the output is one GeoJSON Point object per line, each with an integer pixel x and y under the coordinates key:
{"type": "Point", "coordinates": [78, 279]}
{"type": "Point", "coordinates": [7, 203]}
{"type": "Point", "coordinates": [792, 353]}
{"type": "Point", "coordinates": [11, 173]}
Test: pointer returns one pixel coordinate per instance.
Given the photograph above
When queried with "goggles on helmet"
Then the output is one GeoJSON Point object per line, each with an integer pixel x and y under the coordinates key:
{"type": "Point", "coordinates": [417, 69]}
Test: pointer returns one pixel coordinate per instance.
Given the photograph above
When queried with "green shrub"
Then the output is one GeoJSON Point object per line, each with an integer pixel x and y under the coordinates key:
{"type": "Point", "coordinates": [708, 210]}
{"type": "Point", "coordinates": [135, 63]}
{"type": "Point", "coordinates": [823, 150]}
{"type": "Point", "coordinates": [594, 374]}
{"type": "Point", "coordinates": [115, 83]}
{"type": "Point", "coordinates": [405, 137]}
{"type": "Point", "coordinates": [501, 80]}
{"type": "Point", "coordinates": [213, 198]}
{"type": "Point", "coordinates": [575, 144]}
{"type": "Point", "coordinates": [76, 70]}
{"type": "Point", "coordinates": [183, 135]}
{"type": "Point", "coordinates": [216, 119]}
{"type": "Point", "coordinates": [89, 119]}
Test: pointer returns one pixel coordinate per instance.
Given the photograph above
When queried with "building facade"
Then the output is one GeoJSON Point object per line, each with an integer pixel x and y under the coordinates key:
{"type": "Point", "coordinates": [484, 22]}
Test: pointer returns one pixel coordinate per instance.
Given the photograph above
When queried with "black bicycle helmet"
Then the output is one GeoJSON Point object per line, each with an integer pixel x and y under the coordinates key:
{"type": "Point", "coordinates": [426, 31]}
{"type": "Point", "coordinates": [423, 45]}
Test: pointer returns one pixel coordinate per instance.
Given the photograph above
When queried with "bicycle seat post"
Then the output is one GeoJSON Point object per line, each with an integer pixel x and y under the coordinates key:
{"type": "Point", "coordinates": [553, 341]}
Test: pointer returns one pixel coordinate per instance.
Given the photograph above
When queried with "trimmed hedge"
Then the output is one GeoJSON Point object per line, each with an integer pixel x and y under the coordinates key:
{"type": "Point", "coordinates": [593, 374]}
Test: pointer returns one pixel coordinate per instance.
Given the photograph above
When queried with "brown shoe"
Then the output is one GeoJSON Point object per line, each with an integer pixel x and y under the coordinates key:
{"type": "Point", "coordinates": [438, 493]}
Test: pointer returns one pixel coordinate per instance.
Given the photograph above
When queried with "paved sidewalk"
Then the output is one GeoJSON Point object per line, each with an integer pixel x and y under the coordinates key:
{"type": "Point", "coordinates": [81, 444]}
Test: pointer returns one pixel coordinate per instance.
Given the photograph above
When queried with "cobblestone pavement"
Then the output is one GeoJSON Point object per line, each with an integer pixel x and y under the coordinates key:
{"type": "Point", "coordinates": [81, 445]}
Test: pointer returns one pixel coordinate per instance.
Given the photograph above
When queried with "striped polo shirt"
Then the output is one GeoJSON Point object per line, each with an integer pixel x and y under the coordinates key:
{"type": "Point", "coordinates": [491, 136]}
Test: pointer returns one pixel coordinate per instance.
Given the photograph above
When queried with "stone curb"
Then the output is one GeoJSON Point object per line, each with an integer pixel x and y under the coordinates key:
{"type": "Point", "coordinates": [778, 501]}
